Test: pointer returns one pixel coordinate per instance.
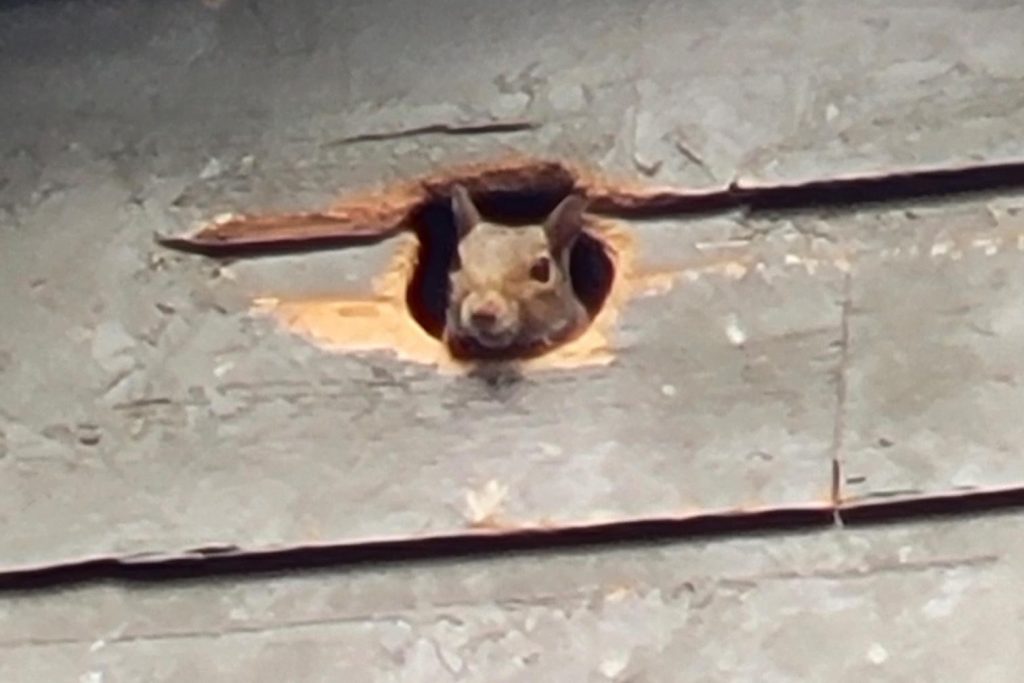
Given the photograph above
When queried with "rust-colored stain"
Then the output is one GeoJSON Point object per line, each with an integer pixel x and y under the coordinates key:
{"type": "Point", "coordinates": [381, 320]}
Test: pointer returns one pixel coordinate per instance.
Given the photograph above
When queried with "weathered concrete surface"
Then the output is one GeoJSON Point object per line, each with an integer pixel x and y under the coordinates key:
{"type": "Point", "coordinates": [935, 332]}
{"type": "Point", "coordinates": [143, 409]}
{"type": "Point", "coordinates": [786, 91]}
{"type": "Point", "coordinates": [228, 430]}
{"type": "Point", "coordinates": [928, 601]}
{"type": "Point", "coordinates": [258, 95]}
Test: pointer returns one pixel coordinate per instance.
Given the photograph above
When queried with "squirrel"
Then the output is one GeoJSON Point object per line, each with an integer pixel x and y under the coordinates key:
{"type": "Point", "coordinates": [510, 290]}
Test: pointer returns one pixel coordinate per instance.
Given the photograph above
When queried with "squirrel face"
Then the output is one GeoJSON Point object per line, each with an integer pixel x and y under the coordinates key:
{"type": "Point", "coordinates": [510, 286]}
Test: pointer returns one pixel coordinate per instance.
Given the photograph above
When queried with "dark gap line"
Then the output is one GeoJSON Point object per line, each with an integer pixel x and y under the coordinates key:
{"type": "Point", "coordinates": [857, 193]}
{"type": "Point", "coordinates": [886, 189]}
{"type": "Point", "coordinates": [281, 247]}
{"type": "Point", "coordinates": [666, 205]}
{"type": "Point", "coordinates": [226, 562]}
{"type": "Point", "coordinates": [852, 193]}
{"type": "Point", "coordinates": [880, 511]}
{"type": "Point", "coordinates": [491, 128]}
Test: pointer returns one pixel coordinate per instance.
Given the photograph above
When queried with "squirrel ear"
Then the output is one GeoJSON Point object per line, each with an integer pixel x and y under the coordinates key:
{"type": "Point", "coordinates": [565, 223]}
{"type": "Point", "coordinates": [464, 211]}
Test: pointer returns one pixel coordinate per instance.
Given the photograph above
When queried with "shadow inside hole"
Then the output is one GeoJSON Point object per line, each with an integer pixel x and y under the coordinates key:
{"type": "Point", "coordinates": [590, 266]}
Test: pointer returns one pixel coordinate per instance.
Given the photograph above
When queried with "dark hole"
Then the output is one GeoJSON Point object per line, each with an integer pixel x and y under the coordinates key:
{"type": "Point", "coordinates": [590, 267]}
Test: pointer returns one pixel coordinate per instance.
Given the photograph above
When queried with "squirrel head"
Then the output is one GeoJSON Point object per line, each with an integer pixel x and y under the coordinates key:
{"type": "Point", "coordinates": [510, 287]}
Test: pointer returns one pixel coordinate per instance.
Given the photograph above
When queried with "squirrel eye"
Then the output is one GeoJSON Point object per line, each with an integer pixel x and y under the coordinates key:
{"type": "Point", "coordinates": [541, 269]}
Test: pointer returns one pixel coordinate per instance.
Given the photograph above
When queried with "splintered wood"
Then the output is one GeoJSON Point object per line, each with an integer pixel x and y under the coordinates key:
{"type": "Point", "coordinates": [384, 211]}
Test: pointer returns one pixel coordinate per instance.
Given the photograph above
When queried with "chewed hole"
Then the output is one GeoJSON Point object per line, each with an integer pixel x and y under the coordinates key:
{"type": "Point", "coordinates": [591, 268]}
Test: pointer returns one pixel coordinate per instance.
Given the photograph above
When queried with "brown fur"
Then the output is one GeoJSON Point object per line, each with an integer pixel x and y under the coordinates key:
{"type": "Point", "coordinates": [498, 303]}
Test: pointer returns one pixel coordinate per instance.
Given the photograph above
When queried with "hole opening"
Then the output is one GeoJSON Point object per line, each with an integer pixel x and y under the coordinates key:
{"type": "Point", "coordinates": [591, 268]}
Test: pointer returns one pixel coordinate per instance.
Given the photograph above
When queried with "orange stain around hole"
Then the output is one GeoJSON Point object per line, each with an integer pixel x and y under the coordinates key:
{"type": "Point", "coordinates": [381, 321]}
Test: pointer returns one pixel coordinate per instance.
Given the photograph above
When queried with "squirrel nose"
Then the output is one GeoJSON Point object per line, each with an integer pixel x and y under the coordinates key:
{"type": "Point", "coordinates": [484, 317]}
{"type": "Point", "coordinates": [486, 313]}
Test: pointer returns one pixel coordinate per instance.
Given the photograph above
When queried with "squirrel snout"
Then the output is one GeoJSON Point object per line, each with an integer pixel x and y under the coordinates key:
{"type": "Point", "coordinates": [484, 318]}
{"type": "Point", "coordinates": [487, 314]}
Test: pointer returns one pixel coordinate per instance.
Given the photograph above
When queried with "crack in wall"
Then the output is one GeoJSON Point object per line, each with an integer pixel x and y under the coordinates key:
{"type": "Point", "coordinates": [484, 128]}
{"type": "Point", "coordinates": [839, 423]}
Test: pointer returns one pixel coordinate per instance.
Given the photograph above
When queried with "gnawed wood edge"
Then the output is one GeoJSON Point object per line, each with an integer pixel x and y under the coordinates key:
{"type": "Point", "coordinates": [379, 213]}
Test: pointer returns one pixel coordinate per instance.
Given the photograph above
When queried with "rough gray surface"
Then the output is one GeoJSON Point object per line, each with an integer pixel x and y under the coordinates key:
{"type": "Point", "coordinates": [932, 601]}
{"type": "Point", "coordinates": [141, 408]}
{"type": "Point", "coordinates": [934, 364]}
{"type": "Point", "coordinates": [785, 91]}
{"type": "Point", "coordinates": [358, 447]}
